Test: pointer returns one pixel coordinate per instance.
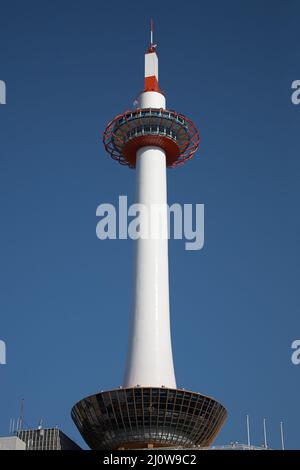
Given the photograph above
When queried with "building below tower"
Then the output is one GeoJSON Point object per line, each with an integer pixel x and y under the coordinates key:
{"type": "Point", "coordinates": [12, 443]}
{"type": "Point", "coordinates": [46, 439]}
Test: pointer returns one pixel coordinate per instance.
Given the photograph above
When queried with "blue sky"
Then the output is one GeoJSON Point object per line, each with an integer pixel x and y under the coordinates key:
{"type": "Point", "coordinates": [65, 296]}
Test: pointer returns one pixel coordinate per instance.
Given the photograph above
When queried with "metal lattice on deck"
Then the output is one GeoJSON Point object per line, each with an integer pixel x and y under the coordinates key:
{"type": "Point", "coordinates": [173, 132]}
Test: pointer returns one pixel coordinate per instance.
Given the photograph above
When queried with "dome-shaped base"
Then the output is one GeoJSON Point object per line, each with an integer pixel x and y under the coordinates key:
{"type": "Point", "coordinates": [133, 418]}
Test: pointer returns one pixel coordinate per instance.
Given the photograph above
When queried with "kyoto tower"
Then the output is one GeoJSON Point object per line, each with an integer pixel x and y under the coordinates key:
{"type": "Point", "coordinates": [149, 410]}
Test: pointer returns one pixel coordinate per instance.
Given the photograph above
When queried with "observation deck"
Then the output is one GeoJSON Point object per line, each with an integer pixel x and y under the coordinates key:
{"type": "Point", "coordinates": [172, 132]}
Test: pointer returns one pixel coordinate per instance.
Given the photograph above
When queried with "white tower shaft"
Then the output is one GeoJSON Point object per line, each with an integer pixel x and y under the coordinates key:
{"type": "Point", "coordinates": [150, 361]}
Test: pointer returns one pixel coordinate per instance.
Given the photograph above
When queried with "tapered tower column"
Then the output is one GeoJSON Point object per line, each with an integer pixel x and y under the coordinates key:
{"type": "Point", "coordinates": [150, 361]}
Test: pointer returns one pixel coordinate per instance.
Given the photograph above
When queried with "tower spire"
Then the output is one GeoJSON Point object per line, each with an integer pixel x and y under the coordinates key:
{"type": "Point", "coordinates": [151, 65]}
{"type": "Point", "coordinates": [151, 31]}
{"type": "Point", "coordinates": [152, 47]}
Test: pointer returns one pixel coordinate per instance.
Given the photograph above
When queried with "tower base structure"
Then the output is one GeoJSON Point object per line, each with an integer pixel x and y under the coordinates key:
{"type": "Point", "coordinates": [141, 417]}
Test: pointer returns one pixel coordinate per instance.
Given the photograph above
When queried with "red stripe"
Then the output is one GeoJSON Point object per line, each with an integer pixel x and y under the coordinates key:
{"type": "Point", "coordinates": [151, 83]}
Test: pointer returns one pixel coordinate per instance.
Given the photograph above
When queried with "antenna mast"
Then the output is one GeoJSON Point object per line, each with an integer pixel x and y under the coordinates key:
{"type": "Point", "coordinates": [281, 435]}
{"type": "Point", "coordinates": [21, 414]}
{"type": "Point", "coordinates": [265, 434]}
{"type": "Point", "coordinates": [151, 31]}
{"type": "Point", "coordinates": [248, 431]}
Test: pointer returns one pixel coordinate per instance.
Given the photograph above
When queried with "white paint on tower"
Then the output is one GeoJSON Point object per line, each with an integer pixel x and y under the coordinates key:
{"type": "Point", "coordinates": [150, 360]}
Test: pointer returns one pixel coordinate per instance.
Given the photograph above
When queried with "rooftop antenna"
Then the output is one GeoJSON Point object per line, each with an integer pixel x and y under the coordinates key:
{"type": "Point", "coordinates": [265, 434]}
{"type": "Point", "coordinates": [248, 431]}
{"type": "Point", "coordinates": [21, 414]}
{"type": "Point", "coordinates": [281, 435]}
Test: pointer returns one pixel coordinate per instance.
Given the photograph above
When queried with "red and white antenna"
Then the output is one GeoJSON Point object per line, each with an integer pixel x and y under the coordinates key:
{"type": "Point", "coordinates": [151, 66]}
